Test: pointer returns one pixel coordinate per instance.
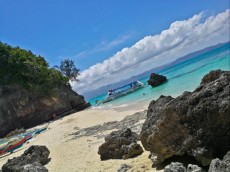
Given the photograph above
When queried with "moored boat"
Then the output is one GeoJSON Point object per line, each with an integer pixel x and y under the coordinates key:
{"type": "Point", "coordinates": [29, 134]}
{"type": "Point", "coordinates": [123, 91]}
{"type": "Point", "coordinates": [14, 144]}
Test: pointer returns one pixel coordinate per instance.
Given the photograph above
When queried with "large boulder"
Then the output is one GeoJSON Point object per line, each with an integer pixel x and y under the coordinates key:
{"type": "Point", "coordinates": [156, 79]}
{"type": "Point", "coordinates": [195, 124]}
{"type": "Point", "coordinates": [32, 160]}
{"type": "Point", "coordinates": [21, 108]}
{"type": "Point", "coordinates": [120, 145]}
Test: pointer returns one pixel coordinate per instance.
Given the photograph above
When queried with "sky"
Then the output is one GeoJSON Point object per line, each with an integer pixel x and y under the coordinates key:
{"type": "Point", "coordinates": [113, 40]}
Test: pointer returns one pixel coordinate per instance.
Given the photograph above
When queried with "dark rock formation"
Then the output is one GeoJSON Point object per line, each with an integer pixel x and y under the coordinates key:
{"type": "Point", "coordinates": [124, 168]}
{"type": "Point", "coordinates": [20, 108]}
{"type": "Point", "coordinates": [175, 167]}
{"type": "Point", "coordinates": [220, 166]}
{"type": "Point", "coordinates": [120, 145]}
{"type": "Point", "coordinates": [195, 124]}
{"type": "Point", "coordinates": [156, 79]}
{"type": "Point", "coordinates": [32, 160]}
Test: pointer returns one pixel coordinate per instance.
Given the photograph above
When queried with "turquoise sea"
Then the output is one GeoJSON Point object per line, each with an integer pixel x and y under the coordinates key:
{"type": "Point", "coordinates": [185, 76]}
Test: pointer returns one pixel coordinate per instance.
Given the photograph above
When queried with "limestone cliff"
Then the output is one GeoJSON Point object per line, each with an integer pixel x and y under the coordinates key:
{"type": "Point", "coordinates": [20, 108]}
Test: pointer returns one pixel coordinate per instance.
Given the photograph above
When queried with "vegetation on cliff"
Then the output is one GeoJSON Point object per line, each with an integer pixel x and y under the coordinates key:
{"type": "Point", "coordinates": [21, 67]}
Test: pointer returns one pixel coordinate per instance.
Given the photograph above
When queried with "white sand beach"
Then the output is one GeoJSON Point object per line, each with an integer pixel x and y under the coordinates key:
{"type": "Point", "coordinates": [80, 155]}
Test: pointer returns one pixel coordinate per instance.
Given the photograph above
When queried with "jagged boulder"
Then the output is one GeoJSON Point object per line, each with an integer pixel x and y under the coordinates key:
{"type": "Point", "coordinates": [195, 123]}
{"type": "Point", "coordinates": [156, 79]}
{"type": "Point", "coordinates": [220, 166]}
{"type": "Point", "coordinates": [32, 160]}
{"type": "Point", "coordinates": [120, 144]}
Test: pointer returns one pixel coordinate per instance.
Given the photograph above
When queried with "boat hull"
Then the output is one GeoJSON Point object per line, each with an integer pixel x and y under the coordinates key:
{"type": "Point", "coordinates": [11, 148]}
{"type": "Point", "coordinates": [121, 94]}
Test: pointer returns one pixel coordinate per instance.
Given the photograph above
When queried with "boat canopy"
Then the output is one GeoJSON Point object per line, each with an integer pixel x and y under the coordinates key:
{"type": "Point", "coordinates": [128, 85]}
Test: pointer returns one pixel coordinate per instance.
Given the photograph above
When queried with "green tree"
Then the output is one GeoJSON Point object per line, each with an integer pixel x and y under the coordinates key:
{"type": "Point", "coordinates": [69, 70]}
{"type": "Point", "coordinates": [22, 67]}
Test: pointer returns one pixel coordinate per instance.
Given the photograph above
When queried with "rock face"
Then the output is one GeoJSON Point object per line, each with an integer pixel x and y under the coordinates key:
{"type": "Point", "coordinates": [20, 108]}
{"type": "Point", "coordinates": [195, 124]}
{"type": "Point", "coordinates": [156, 80]}
{"type": "Point", "coordinates": [32, 160]}
{"type": "Point", "coordinates": [120, 145]}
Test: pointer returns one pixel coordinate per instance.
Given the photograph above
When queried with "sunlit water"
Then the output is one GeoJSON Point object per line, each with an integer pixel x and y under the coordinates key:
{"type": "Point", "coordinates": [185, 76]}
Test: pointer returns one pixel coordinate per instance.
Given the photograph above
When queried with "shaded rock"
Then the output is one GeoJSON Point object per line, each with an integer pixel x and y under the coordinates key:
{"type": "Point", "coordinates": [175, 167]}
{"type": "Point", "coordinates": [156, 79]}
{"type": "Point", "coordinates": [195, 123]}
{"type": "Point", "coordinates": [132, 150]}
{"type": "Point", "coordinates": [194, 168]}
{"type": "Point", "coordinates": [124, 168]}
{"type": "Point", "coordinates": [20, 108]}
{"type": "Point", "coordinates": [220, 166]}
{"type": "Point", "coordinates": [120, 144]}
{"type": "Point", "coordinates": [32, 160]}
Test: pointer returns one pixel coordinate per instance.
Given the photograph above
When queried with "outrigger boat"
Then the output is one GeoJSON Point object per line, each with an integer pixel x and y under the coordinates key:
{"type": "Point", "coordinates": [14, 144]}
{"type": "Point", "coordinates": [29, 134]}
{"type": "Point", "coordinates": [123, 91]}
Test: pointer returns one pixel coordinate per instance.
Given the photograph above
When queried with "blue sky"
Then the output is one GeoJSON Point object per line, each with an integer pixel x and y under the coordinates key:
{"type": "Point", "coordinates": [90, 31]}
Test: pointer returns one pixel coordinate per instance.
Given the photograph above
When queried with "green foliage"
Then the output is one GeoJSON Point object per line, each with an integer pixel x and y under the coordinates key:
{"type": "Point", "coordinates": [68, 69]}
{"type": "Point", "coordinates": [18, 66]}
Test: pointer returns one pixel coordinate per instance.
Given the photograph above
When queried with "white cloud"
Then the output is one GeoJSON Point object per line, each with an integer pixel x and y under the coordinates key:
{"type": "Point", "coordinates": [181, 38]}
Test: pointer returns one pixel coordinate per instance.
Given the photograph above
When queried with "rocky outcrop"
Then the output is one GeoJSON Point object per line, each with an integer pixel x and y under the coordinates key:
{"type": "Point", "coordinates": [179, 167]}
{"type": "Point", "coordinates": [33, 159]}
{"type": "Point", "coordinates": [220, 166]}
{"type": "Point", "coordinates": [195, 124]}
{"type": "Point", "coordinates": [156, 79]}
{"type": "Point", "coordinates": [120, 145]}
{"type": "Point", "coordinates": [20, 108]}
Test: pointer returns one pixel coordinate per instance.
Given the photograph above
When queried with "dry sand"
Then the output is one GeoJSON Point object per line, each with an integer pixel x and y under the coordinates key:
{"type": "Point", "coordinates": [80, 155]}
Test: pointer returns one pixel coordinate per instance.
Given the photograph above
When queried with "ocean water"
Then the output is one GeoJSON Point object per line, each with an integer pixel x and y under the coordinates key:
{"type": "Point", "coordinates": [185, 76]}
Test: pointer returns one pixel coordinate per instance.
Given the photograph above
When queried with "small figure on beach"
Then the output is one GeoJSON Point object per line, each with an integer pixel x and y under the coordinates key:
{"type": "Point", "coordinates": [54, 116]}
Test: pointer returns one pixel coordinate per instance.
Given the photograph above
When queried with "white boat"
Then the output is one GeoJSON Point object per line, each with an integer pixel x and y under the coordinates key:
{"type": "Point", "coordinates": [123, 91]}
